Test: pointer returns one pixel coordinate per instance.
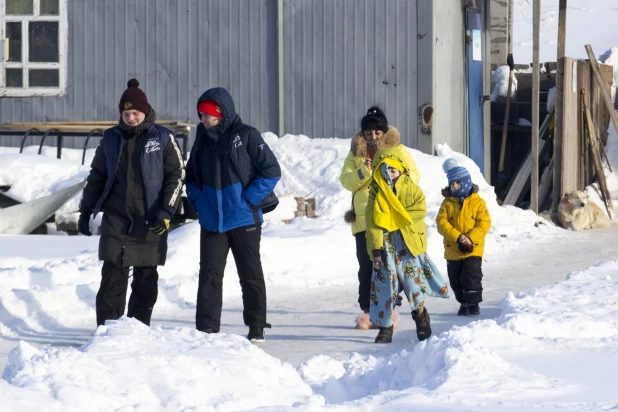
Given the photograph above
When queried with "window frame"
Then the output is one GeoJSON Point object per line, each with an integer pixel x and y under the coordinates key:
{"type": "Point", "coordinates": [61, 65]}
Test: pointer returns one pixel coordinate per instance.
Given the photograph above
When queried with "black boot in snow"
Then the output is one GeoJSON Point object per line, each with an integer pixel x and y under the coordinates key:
{"type": "Point", "coordinates": [385, 335]}
{"type": "Point", "coordinates": [473, 309]}
{"type": "Point", "coordinates": [256, 334]}
{"type": "Point", "coordinates": [463, 310]}
{"type": "Point", "coordinates": [423, 328]}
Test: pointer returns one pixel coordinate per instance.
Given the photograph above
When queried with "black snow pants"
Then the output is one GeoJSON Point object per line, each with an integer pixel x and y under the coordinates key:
{"type": "Point", "coordinates": [465, 277]}
{"type": "Point", "coordinates": [111, 297]}
{"type": "Point", "coordinates": [214, 248]}
{"type": "Point", "coordinates": [365, 267]}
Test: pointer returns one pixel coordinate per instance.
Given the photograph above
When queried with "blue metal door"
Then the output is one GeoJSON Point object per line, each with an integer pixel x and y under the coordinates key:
{"type": "Point", "coordinates": [474, 77]}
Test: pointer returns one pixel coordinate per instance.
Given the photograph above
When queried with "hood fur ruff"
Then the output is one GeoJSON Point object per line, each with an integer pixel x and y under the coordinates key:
{"type": "Point", "coordinates": [391, 138]}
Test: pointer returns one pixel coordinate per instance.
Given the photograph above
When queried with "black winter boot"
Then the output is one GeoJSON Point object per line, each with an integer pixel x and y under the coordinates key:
{"type": "Point", "coordinates": [256, 334]}
{"type": "Point", "coordinates": [385, 335]}
{"type": "Point", "coordinates": [463, 310]}
{"type": "Point", "coordinates": [473, 309]}
{"type": "Point", "coordinates": [423, 328]}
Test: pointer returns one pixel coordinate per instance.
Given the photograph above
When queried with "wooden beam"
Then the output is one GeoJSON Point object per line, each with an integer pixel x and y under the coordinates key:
{"type": "Point", "coordinates": [557, 176]}
{"type": "Point", "coordinates": [604, 93]}
{"type": "Point", "coordinates": [536, 83]}
{"type": "Point", "coordinates": [562, 8]}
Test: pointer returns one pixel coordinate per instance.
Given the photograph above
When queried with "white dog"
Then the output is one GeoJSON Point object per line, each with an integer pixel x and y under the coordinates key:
{"type": "Point", "coordinates": [576, 212]}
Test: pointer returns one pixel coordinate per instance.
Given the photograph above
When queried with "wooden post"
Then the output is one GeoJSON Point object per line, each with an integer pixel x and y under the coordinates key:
{"type": "Point", "coordinates": [557, 178]}
{"type": "Point", "coordinates": [536, 84]}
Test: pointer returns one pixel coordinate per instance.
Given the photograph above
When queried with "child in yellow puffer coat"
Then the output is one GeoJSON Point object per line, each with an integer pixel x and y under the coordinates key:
{"type": "Point", "coordinates": [463, 221]}
{"type": "Point", "coordinates": [397, 242]}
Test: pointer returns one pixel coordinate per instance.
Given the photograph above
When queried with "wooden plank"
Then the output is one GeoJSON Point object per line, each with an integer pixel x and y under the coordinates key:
{"type": "Point", "coordinates": [521, 180]}
{"type": "Point", "coordinates": [560, 59]}
{"type": "Point", "coordinates": [523, 174]}
{"type": "Point", "coordinates": [596, 157]}
{"type": "Point", "coordinates": [570, 137]}
{"type": "Point", "coordinates": [604, 93]}
{"type": "Point", "coordinates": [545, 185]}
{"type": "Point", "coordinates": [583, 80]}
{"type": "Point", "coordinates": [536, 83]}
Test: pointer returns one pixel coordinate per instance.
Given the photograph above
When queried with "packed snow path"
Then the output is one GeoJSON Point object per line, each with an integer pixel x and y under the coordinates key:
{"type": "Point", "coordinates": [318, 321]}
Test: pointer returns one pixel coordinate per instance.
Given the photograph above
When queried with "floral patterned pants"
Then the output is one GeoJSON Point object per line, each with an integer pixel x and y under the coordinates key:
{"type": "Point", "coordinates": [418, 275]}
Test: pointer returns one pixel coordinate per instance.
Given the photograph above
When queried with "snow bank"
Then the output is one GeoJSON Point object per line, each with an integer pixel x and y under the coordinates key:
{"type": "Point", "coordinates": [487, 363]}
{"type": "Point", "coordinates": [129, 365]}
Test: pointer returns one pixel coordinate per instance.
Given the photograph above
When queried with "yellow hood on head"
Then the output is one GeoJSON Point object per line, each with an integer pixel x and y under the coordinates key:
{"type": "Point", "coordinates": [388, 212]}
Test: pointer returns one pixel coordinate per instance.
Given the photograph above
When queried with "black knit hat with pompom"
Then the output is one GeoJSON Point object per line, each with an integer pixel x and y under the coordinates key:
{"type": "Point", "coordinates": [375, 119]}
{"type": "Point", "coordinates": [134, 98]}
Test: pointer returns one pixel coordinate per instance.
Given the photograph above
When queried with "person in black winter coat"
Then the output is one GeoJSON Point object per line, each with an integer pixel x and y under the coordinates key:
{"type": "Point", "coordinates": [231, 174]}
{"type": "Point", "coordinates": [136, 179]}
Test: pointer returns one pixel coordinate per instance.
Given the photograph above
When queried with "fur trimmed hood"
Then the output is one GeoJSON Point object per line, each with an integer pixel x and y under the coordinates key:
{"type": "Point", "coordinates": [391, 138]}
{"type": "Point", "coordinates": [446, 192]}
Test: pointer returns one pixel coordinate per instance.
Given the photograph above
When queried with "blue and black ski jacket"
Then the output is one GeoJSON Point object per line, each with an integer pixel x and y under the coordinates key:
{"type": "Point", "coordinates": [232, 172]}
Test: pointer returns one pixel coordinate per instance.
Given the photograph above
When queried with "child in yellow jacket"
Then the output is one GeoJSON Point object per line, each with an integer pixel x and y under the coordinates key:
{"type": "Point", "coordinates": [463, 221]}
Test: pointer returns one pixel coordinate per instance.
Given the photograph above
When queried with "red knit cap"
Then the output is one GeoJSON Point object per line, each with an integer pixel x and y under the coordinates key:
{"type": "Point", "coordinates": [210, 107]}
{"type": "Point", "coordinates": [134, 98]}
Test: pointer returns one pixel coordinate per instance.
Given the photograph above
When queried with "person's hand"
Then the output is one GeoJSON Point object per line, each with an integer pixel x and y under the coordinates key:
{"type": "Point", "coordinates": [161, 223]}
{"type": "Point", "coordinates": [377, 262]}
{"type": "Point", "coordinates": [368, 162]}
{"type": "Point", "coordinates": [464, 244]}
{"type": "Point", "coordinates": [465, 240]}
{"type": "Point", "coordinates": [83, 224]}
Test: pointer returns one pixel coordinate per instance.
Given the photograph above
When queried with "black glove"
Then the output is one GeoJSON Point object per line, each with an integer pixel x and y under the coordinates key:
{"type": "Point", "coordinates": [83, 224]}
{"type": "Point", "coordinates": [161, 223]}
{"type": "Point", "coordinates": [465, 247]}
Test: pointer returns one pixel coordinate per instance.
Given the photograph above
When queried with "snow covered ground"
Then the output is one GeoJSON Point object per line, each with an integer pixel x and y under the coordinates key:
{"type": "Point", "coordinates": [547, 336]}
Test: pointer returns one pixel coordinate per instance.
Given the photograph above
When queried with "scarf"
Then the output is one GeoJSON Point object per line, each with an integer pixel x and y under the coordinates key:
{"type": "Point", "coordinates": [388, 213]}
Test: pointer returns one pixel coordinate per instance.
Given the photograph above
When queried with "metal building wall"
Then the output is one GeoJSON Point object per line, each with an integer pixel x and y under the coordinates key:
{"type": "Point", "coordinates": [341, 57]}
{"type": "Point", "coordinates": [176, 49]}
{"type": "Point", "coordinates": [450, 75]}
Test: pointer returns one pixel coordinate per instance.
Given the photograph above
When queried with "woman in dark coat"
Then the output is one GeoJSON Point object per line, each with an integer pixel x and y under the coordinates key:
{"type": "Point", "coordinates": [136, 181]}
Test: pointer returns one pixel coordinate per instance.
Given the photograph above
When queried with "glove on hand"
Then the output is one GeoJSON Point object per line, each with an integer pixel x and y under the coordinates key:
{"type": "Point", "coordinates": [83, 224]}
{"type": "Point", "coordinates": [464, 244]}
{"type": "Point", "coordinates": [161, 223]}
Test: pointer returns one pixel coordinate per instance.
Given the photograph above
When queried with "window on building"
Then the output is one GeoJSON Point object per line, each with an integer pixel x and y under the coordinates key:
{"type": "Point", "coordinates": [34, 39]}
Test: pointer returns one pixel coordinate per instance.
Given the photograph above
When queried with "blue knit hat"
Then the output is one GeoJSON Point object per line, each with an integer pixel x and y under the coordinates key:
{"type": "Point", "coordinates": [456, 173]}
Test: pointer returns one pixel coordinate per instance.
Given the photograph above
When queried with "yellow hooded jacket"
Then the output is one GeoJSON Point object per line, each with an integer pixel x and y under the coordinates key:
{"type": "Point", "coordinates": [356, 178]}
{"type": "Point", "coordinates": [470, 218]}
{"type": "Point", "coordinates": [411, 198]}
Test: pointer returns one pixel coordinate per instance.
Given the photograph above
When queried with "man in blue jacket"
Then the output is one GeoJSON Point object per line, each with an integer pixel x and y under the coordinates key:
{"type": "Point", "coordinates": [231, 175]}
